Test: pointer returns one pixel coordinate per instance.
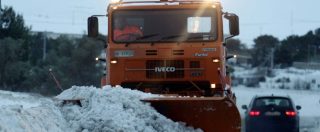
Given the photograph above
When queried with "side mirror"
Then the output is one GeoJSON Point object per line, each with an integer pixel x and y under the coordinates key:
{"type": "Point", "coordinates": [93, 27]}
{"type": "Point", "coordinates": [298, 107]}
{"type": "Point", "coordinates": [244, 107]}
{"type": "Point", "coordinates": [100, 59]}
{"type": "Point", "coordinates": [233, 23]}
{"type": "Point", "coordinates": [231, 56]}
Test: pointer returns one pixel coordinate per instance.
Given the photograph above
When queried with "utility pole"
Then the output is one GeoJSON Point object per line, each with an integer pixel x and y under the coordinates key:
{"type": "Point", "coordinates": [269, 71]}
{"type": "Point", "coordinates": [308, 53]}
{"type": "Point", "coordinates": [291, 22]}
{"type": "Point", "coordinates": [272, 59]}
{"type": "Point", "coordinates": [44, 46]}
{"type": "Point", "coordinates": [315, 52]}
{"type": "Point", "coordinates": [1, 22]}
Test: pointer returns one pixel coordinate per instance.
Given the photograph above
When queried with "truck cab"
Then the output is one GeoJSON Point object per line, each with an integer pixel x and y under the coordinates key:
{"type": "Point", "coordinates": [167, 47]}
{"type": "Point", "coordinates": [174, 48]}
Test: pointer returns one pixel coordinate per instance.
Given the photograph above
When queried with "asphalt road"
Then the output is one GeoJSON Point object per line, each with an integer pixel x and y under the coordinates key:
{"type": "Point", "coordinates": [307, 124]}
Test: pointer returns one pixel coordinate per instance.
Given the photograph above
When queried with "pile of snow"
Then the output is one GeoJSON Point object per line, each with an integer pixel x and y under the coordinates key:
{"type": "Point", "coordinates": [118, 109]}
{"type": "Point", "coordinates": [108, 109]}
{"type": "Point", "coordinates": [115, 109]}
{"type": "Point", "coordinates": [292, 78]}
{"type": "Point", "coordinates": [24, 112]}
{"type": "Point", "coordinates": [26, 100]}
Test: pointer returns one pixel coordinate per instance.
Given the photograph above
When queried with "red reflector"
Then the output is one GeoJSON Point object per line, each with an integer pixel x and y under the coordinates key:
{"type": "Point", "coordinates": [254, 113]}
{"type": "Point", "coordinates": [291, 113]}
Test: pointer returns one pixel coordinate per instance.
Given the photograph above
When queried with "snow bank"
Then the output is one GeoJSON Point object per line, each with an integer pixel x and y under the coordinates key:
{"type": "Point", "coordinates": [108, 109]}
{"type": "Point", "coordinates": [115, 109]}
{"type": "Point", "coordinates": [292, 78]}
{"type": "Point", "coordinates": [14, 98]}
{"type": "Point", "coordinates": [32, 113]}
{"type": "Point", "coordinates": [289, 78]}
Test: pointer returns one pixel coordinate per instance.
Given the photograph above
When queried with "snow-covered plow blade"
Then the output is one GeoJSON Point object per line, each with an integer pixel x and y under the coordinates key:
{"type": "Point", "coordinates": [211, 114]}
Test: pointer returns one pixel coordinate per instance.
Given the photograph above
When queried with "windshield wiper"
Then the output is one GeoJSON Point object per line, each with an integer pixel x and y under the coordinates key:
{"type": "Point", "coordinates": [173, 37]}
{"type": "Point", "coordinates": [148, 36]}
{"type": "Point", "coordinates": [142, 37]}
{"type": "Point", "coordinates": [169, 37]}
{"type": "Point", "coordinates": [200, 36]}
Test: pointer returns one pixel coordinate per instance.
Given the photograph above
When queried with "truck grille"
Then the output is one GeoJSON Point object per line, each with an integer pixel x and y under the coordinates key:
{"type": "Point", "coordinates": [151, 52]}
{"type": "Point", "coordinates": [161, 69]}
{"type": "Point", "coordinates": [177, 52]}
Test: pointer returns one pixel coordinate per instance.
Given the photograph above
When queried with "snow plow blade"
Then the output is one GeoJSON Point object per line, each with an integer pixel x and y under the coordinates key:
{"type": "Point", "coordinates": [211, 114]}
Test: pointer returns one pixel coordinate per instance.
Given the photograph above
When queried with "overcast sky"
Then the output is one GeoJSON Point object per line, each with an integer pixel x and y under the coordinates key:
{"type": "Point", "coordinates": [275, 17]}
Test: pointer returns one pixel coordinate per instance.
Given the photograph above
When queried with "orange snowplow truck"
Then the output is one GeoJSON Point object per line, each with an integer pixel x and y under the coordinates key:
{"type": "Point", "coordinates": [174, 48]}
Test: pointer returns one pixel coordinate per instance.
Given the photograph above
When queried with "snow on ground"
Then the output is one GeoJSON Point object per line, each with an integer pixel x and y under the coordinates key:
{"type": "Point", "coordinates": [293, 78]}
{"type": "Point", "coordinates": [118, 109]}
{"type": "Point", "coordinates": [289, 78]}
{"type": "Point", "coordinates": [26, 100]}
{"type": "Point", "coordinates": [115, 109]}
{"type": "Point", "coordinates": [24, 112]}
{"type": "Point", "coordinates": [308, 100]}
{"type": "Point", "coordinates": [108, 109]}
{"type": "Point", "coordinates": [303, 86]}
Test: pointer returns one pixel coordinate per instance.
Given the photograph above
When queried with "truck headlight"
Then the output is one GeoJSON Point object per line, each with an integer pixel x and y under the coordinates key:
{"type": "Point", "coordinates": [215, 60]}
{"type": "Point", "coordinates": [113, 61]}
{"type": "Point", "coordinates": [213, 85]}
{"type": "Point", "coordinates": [114, 1]}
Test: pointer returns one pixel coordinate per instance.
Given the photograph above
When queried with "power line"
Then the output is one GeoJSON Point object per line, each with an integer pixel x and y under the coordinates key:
{"type": "Point", "coordinates": [44, 46]}
{"type": "Point", "coordinates": [291, 22]}
{"type": "Point", "coordinates": [56, 23]}
{"type": "Point", "coordinates": [307, 21]}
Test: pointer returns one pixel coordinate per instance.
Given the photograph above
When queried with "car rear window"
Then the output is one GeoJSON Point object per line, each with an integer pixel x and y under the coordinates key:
{"type": "Point", "coordinates": [274, 101]}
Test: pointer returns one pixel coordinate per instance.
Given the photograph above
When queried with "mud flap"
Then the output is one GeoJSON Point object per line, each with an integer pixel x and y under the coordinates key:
{"type": "Point", "coordinates": [211, 114]}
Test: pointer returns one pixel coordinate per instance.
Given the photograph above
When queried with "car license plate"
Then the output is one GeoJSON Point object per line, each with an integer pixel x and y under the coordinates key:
{"type": "Point", "coordinates": [272, 113]}
{"type": "Point", "coordinates": [124, 53]}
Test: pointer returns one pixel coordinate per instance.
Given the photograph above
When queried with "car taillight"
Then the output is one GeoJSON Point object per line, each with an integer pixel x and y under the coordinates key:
{"type": "Point", "coordinates": [291, 113]}
{"type": "Point", "coordinates": [254, 113]}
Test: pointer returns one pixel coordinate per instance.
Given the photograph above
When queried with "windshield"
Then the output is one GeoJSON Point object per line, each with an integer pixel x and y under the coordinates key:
{"type": "Point", "coordinates": [275, 102]}
{"type": "Point", "coordinates": [164, 25]}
